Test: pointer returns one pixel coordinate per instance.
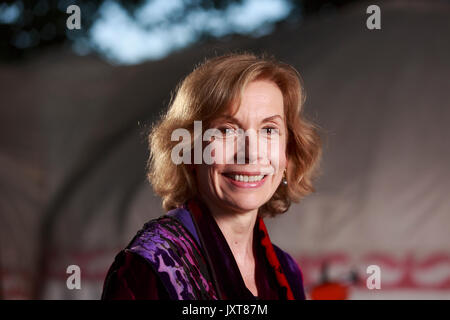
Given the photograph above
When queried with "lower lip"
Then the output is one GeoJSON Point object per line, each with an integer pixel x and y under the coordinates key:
{"type": "Point", "coordinates": [242, 184]}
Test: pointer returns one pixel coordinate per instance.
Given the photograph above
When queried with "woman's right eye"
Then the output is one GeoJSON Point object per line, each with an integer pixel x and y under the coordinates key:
{"type": "Point", "coordinates": [227, 131]}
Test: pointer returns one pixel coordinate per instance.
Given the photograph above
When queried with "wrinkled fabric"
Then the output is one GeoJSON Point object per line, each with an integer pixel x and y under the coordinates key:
{"type": "Point", "coordinates": [176, 258]}
{"type": "Point", "coordinates": [187, 257]}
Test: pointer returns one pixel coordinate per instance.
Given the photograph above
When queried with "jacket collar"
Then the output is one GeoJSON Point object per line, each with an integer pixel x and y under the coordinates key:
{"type": "Point", "coordinates": [269, 276]}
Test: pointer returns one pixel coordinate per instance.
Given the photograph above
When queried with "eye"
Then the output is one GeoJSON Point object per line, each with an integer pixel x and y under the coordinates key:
{"type": "Point", "coordinates": [269, 131]}
{"type": "Point", "coordinates": [227, 131]}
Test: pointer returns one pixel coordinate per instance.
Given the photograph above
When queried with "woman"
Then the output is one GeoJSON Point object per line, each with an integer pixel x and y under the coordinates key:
{"type": "Point", "coordinates": [258, 156]}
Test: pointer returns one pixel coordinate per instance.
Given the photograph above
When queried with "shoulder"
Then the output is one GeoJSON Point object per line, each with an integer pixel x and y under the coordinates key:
{"type": "Point", "coordinates": [164, 249]}
{"type": "Point", "coordinates": [133, 274]}
{"type": "Point", "coordinates": [163, 233]}
{"type": "Point", "coordinates": [292, 271]}
{"type": "Point", "coordinates": [130, 277]}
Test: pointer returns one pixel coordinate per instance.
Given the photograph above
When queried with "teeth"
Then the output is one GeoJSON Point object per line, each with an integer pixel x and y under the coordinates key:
{"type": "Point", "coordinates": [243, 178]}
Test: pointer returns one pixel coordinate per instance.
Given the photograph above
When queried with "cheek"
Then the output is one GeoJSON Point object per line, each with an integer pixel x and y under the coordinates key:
{"type": "Point", "coordinates": [219, 151]}
{"type": "Point", "coordinates": [207, 177]}
{"type": "Point", "coordinates": [277, 155]}
{"type": "Point", "coordinates": [282, 158]}
{"type": "Point", "coordinates": [202, 175]}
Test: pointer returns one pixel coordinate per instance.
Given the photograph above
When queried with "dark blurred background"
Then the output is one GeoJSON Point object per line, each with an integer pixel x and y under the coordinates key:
{"type": "Point", "coordinates": [76, 105]}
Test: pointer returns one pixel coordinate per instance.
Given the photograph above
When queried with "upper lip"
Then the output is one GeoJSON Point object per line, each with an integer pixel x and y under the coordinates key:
{"type": "Point", "coordinates": [248, 173]}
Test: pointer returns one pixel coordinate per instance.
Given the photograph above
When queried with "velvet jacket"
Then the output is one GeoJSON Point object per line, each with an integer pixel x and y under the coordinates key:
{"type": "Point", "coordinates": [183, 255]}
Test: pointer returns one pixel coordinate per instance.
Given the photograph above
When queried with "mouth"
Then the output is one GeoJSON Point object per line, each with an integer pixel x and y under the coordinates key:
{"type": "Point", "coordinates": [245, 179]}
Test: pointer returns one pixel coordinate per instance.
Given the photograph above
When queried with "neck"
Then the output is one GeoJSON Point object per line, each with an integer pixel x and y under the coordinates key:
{"type": "Point", "coordinates": [237, 229]}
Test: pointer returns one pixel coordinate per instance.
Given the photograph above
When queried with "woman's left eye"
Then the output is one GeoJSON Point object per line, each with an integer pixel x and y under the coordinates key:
{"type": "Point", "coordinates": [270, 131]}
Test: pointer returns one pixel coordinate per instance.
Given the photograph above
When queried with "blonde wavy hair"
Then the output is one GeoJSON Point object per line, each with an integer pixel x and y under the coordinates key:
{"type": "Point", "coordinates": [211, 90]}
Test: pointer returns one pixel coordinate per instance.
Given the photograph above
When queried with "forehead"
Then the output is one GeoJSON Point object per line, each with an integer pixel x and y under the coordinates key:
{"type": "Point", "coordinates": [260, 98]}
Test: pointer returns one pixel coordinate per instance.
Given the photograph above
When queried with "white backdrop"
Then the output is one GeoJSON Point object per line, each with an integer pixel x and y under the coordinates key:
{"type": "Point", "coordinates": [72, 155]}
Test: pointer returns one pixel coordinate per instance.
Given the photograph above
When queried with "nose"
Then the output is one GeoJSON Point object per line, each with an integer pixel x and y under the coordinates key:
{"type": "Point", "coordinates": [249, 150]}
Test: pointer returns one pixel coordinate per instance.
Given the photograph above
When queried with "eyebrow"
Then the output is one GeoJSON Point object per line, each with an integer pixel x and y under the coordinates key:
{"type": "Point", "coordinates": [273, 118]}
{"type": "Point", "coordinates": [233, 119]}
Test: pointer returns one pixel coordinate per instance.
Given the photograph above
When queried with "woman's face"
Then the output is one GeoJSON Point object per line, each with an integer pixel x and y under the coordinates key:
{"type": "Point", "coordinates": [251, 165]}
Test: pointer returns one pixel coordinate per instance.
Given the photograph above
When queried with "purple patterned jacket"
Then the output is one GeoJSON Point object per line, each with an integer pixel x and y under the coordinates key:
{"type": "Point", "coordinates": [184, 256]}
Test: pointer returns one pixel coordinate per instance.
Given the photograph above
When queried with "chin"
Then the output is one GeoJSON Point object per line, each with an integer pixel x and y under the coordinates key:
{"type": "Point", "coordinates": [246, 203]}
{"type": "Point", "coordinates": [247, 197]}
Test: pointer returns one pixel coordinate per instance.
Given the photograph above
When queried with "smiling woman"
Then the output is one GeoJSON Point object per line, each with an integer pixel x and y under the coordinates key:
{"type": "Point", "coordinates": [213, 243]}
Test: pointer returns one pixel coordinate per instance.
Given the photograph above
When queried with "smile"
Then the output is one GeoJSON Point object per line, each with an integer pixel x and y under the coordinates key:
{"type": "Point", "coordinates": [245, 180]}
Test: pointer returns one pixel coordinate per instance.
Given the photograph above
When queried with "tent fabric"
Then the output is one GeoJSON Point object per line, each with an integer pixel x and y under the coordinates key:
{"type": "Point", "coordinates": [73, 153]}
